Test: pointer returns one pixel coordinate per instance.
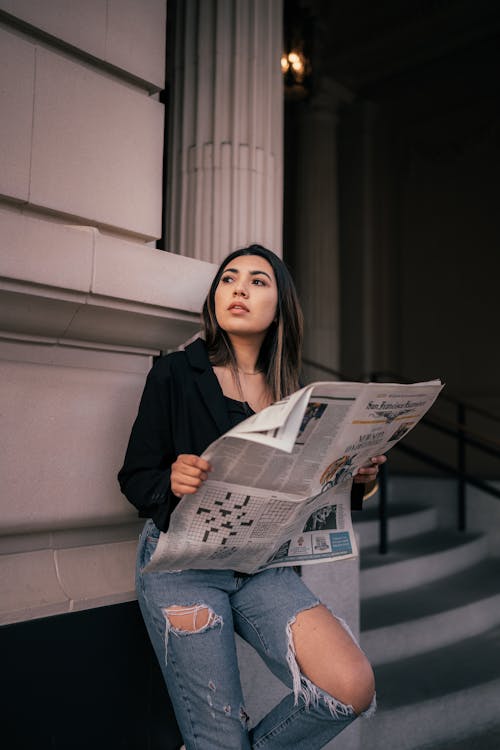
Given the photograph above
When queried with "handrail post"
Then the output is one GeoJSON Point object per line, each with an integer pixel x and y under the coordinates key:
{"type": "Point", "coordinates": [382, 510]}
{"type": "Point", "coordinates": [462, 485]}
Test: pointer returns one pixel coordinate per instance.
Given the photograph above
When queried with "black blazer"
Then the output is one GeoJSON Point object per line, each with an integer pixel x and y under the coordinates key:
{"type": "Point", "coordinates": [182, 410]}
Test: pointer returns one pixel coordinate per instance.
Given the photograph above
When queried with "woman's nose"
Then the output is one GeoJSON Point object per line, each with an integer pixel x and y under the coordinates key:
{"type": "Point", "coordinates": [240, 289]}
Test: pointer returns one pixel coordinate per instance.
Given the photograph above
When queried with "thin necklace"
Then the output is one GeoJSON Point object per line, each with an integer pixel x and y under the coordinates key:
{"type": "Point", "coordinates": [246, 406]}
{"type": "Point", "coordinates": [244, 372]}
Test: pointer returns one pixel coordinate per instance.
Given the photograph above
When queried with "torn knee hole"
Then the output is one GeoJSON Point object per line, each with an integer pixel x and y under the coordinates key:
{"type": "Point", "coordinates": [190, 619]}
{"type": "Point", "coordinates": [303, 686]}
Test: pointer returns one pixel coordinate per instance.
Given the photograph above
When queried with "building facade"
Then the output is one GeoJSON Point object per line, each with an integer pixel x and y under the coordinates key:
{"type": "Point", "coordinates": [123, 181]}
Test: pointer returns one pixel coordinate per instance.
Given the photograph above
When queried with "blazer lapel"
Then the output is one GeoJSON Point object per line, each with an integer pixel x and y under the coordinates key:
{"type": "Point", "coordinates": [208, 384]}
{"type": "Point", "coordinates": [212, 396]}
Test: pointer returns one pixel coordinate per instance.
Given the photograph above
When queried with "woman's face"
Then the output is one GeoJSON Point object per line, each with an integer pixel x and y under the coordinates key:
{"type": "Point", "coordinates": [246, 297]}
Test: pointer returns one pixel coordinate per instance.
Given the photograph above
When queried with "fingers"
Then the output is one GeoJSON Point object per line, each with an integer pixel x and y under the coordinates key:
{"type": "Point", "coordinates": [191, 465]}
{"type": "Point", "coordinates": [188, 473]}
{"type": "Point", "coordinates": [375, 462]}
{"type": "Point", "coordinates": [368, 473]}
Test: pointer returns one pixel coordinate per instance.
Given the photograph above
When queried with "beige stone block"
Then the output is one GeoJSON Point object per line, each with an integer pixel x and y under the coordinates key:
{"type": "Point", "coordinates": [97, 147]}
{"type": "Point", "coordinates": [44, 252]}
{"type": "Point", "coordinates": [135, 39]}
{"type": "Point", "coordinates": [98, 574]}
{"type": "Point", "coordinates": [17, 70]}
{"type": "Point", "coordinates": [125, 271]}
{"type": "Point", "coordinates": [59, 470]}
{"type": "Point", "coordinates": [129, 34]}
{"type": "Point", "coordinates": [29, 586]}
{"type": "Point", "coordinates": [36, 313]}
{"type": "Point", "coordinates": [81, 24]}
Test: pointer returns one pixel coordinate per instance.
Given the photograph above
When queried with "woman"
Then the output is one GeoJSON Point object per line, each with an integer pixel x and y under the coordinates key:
{"type": "Point", "coordinates": [251, 357]}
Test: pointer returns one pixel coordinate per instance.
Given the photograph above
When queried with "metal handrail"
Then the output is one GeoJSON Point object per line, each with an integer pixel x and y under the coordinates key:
{"type": "Point", "coordinates": [471, 437]}
{"type": "Point", "coordinates": [457, 430]}
{"type": "Point", "coordinates": [444, 396]}
{"type": "Point", "coordinates": [442, 466]}
{"type": "Point", "coordinates": [447, 426]}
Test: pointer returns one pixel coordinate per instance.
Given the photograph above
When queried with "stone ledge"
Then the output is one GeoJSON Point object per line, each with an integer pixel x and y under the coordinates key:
{"type": "Point", "coordinates": [80, 536]}
{"type": "Point", "coordinates": [49, 582]}
{"type": "Point", "coordinates": [106, 290]}
{"type": "Point", "coordinates": [40, 312]}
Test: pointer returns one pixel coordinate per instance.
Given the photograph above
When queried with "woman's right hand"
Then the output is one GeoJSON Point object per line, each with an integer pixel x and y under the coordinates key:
{"type": "Point", "coordinates": [188, 473]}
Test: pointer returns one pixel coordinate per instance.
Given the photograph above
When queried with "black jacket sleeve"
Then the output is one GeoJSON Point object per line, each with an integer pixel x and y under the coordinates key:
{"type": "Point", "coordinates": [145, 475]}
{"type": "Point", "coordinates": [357, 493]}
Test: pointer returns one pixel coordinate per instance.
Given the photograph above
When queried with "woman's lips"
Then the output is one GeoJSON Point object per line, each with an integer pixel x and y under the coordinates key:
{"type": "Point", "coordinates": [237, 307]}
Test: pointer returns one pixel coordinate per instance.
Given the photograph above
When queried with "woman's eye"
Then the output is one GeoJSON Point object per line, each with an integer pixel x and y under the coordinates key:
{"type": "Point", "coordinates": [226, 279]}
{"type": "Point", "coordinates": [259, 282]}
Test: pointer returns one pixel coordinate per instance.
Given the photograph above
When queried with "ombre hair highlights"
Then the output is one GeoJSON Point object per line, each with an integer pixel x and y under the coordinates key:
{"type": "Point", "coordinates": [280, 353]}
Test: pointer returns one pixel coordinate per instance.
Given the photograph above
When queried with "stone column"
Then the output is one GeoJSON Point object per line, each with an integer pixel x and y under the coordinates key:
{"type": "Point", "coordinates": [225, 180]}
{"type": "Point", "coordinates": [314, 238]}
{"type": "Point", "coordinates": [368, 175]}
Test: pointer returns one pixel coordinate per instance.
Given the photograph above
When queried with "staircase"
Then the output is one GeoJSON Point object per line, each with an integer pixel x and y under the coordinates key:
{"type": "Point", "coordinates": [430, 625]}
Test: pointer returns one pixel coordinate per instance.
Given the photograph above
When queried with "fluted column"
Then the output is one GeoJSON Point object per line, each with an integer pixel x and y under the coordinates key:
{"type": "Point", "coordinates": [226, 148]}
{"type": "Point", "coordinates": [315, 235]}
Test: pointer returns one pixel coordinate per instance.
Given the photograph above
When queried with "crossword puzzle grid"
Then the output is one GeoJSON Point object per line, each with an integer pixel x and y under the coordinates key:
{"type": "Point", "coordinates": [279, 514]}
{"type": "Point", "coordinates": [230, 512]}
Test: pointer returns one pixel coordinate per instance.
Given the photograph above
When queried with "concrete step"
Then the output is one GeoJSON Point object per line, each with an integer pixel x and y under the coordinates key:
{"type": "Point", "coordinates": [488, 739]}
{"type": "Point", "coordinates": [439, 696]}
{"type": "Point", "coordinates": [405, 520]}
{"type": "Point", "coordinates": [418, 560]}
{"type": "Point", "coordinates": [435, 614]}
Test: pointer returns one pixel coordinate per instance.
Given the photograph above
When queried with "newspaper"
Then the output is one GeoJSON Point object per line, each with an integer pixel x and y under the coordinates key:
{"type": "Point", "coordinates": [279, 492]}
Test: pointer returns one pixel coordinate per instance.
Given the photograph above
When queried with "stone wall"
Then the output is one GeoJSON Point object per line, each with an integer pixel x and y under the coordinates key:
{"type": "Point", "coordinates": [85, 298]}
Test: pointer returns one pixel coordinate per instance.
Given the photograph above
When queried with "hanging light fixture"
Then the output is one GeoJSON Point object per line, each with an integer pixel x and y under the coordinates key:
{"type": "Point", "coordinates": [294, 66]}
{"type": "Point", "coordinates": [296, 70]}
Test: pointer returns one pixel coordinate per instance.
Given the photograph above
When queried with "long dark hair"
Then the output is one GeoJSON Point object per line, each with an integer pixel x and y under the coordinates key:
{"type": "Point", "coordinates": [280, 353]}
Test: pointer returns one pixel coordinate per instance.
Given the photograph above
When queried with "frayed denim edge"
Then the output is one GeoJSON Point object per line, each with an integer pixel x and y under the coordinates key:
{"type": "Point", "coordinates": [194, 609]}
{"type": "Point", "coordinates": [307, 690]}
{"type": "Point", "coordinates": [372, 708]}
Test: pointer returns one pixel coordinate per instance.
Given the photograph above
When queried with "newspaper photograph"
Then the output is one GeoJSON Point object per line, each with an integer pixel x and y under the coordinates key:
{"type": "Point", "coordinates": [279, 492]}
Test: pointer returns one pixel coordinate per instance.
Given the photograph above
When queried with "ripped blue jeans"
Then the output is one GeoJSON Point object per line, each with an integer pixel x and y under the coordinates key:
{"type": "Point", "coordinates": [200, 665]}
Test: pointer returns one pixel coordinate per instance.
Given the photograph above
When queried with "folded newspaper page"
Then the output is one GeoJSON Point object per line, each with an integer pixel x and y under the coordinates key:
{"type": "Point", "coordinates": [279, 492]}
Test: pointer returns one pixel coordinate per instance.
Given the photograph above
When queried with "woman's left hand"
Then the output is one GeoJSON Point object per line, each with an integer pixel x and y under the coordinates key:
{"type": "Point", "coordinates": [368, 472]}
